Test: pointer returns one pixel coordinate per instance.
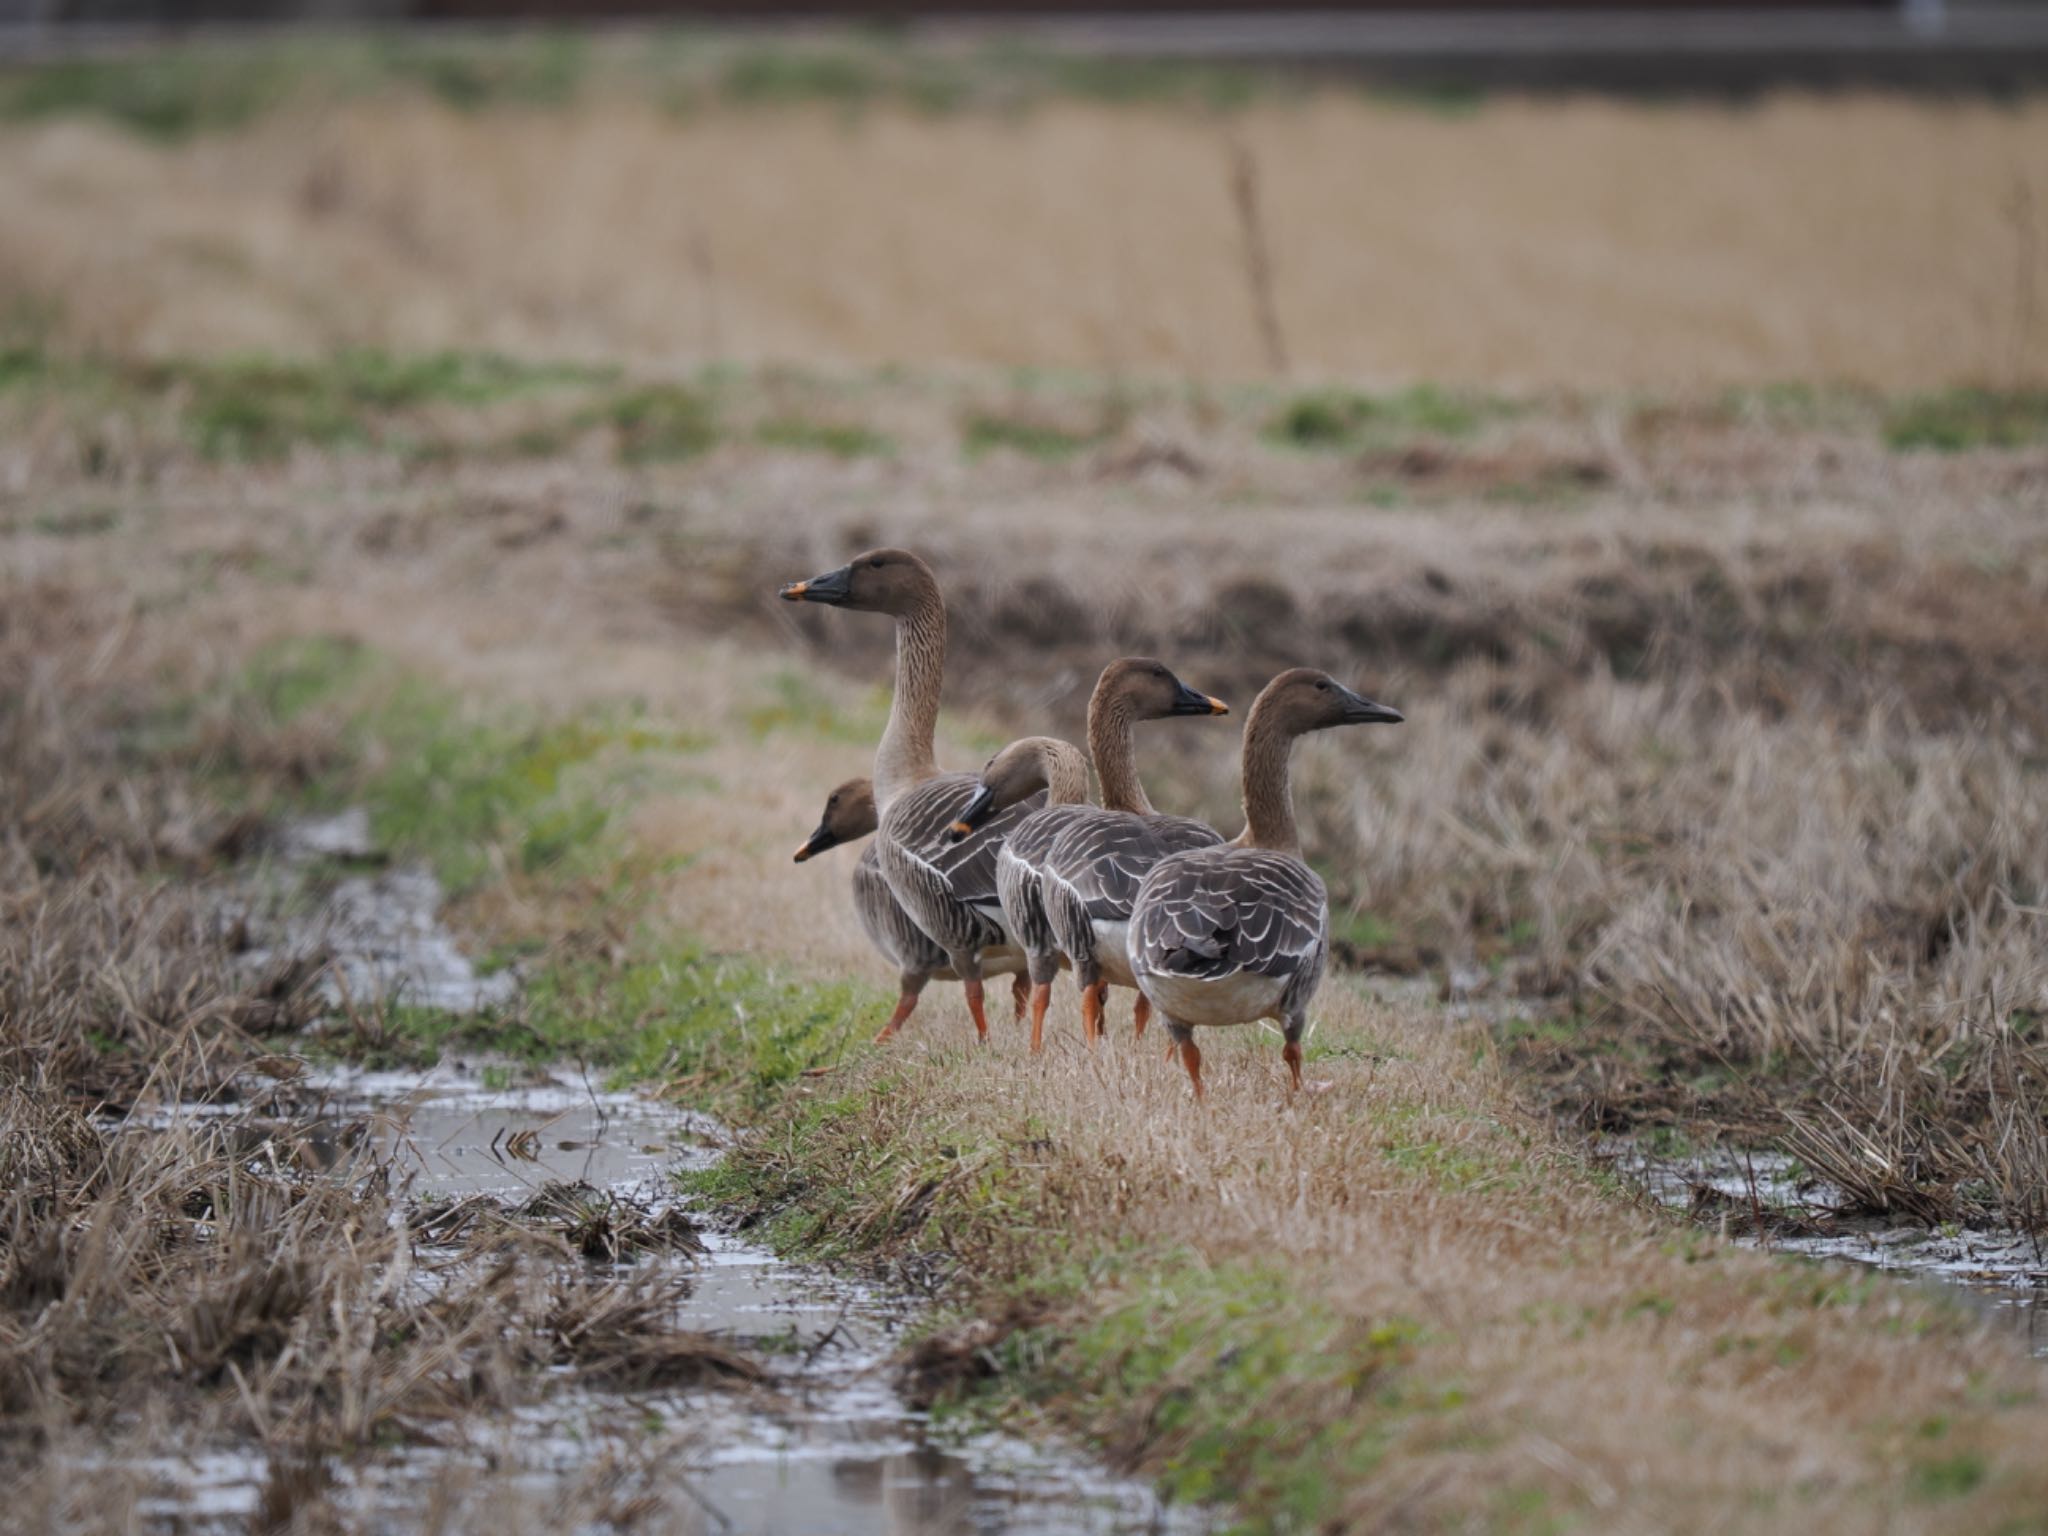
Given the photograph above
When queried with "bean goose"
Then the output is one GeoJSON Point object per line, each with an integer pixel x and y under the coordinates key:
{"type": "Point", "coordinates": [1018, 771]}
{"type": "Point", "coordinates": [948, 888]}
{"type": "Point", "coordinates": [849, 816]}
{"type": "Point", "coordinates": [1131, 689]}
{"type": "Point", "coordinates": [1241, 931]}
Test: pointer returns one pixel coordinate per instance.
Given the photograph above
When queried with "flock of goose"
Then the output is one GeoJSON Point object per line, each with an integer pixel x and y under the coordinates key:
{"type": "Point", "coordinates": [1012, 872]}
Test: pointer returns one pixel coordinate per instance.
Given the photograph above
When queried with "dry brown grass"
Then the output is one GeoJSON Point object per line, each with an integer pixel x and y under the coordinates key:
{"type": "Point", "coordinates": [1529, 243]}
{"type": "Point", "coordinates": [220, 1286]}
{"type": "Point", "coordinates": [1734, 747]}
{"type": "Point", "coordinates": [1519, 1331]}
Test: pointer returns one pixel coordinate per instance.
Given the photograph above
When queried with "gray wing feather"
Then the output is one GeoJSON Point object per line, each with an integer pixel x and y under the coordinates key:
{"type": "Point", "coordinates": [1019, 877]}
{"type": "Point", "coordinates": [889, 928]}
{"type": "Point", "coordinates": [1217, 911]}
{"type": "Point", "coordinates": [949, 889]}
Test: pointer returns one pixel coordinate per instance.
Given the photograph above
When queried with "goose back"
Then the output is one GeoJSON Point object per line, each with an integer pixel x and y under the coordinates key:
{"type": "Point", "coordinates": [1019, 867]}
{"type": "Point", "coordinates": [948, 888]}
{"type": "Point", "coordinates": [1224, 935]}
{"type": "Point", "coordinates": [1092, 874]}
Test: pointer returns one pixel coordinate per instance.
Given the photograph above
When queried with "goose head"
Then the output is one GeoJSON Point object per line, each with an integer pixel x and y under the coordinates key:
{"type": "Point", "coordinates": [1018, 772]}
{"type": "Point", "coordinates": [1303, 700]}
{"type": "Point", "coordinates": [849, 815]}
{"type": "Point", "coordinates": [892, 581]}
{"type": "Point", "coordinates": [1148, 690]}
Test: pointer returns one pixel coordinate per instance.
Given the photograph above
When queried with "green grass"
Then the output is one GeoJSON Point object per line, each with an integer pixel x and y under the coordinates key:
{"type": "Point", "coordinates": [541, 69]}
{"type": "Point", "coordinates": [719, 1030]}
{"type": "Point", "coordinates": [1336, 420]}
{"type": "Point", "coordinates": [175, 91]}
{"type": "Point", "coordinates": [1956, 420]}
{"type": "Point", "coordinates": [472, 792]}
{"type": "Point", "coordinates": [836, 712]}
{"type": "Point", "coordinates": [483, 794]}
{"type": "Point", "coordinates": [773, 75]}
{"type": "Point", "coordinates": [1225, 1365]}
{"type": "Point", "coordinates": [167, 94]}
{"type": "Point", "coordinates": [985, 431]}
{"type": "Point", "coordinates": [1952, 1477]}
{"type": "Point", "coordinates": [259, 408]}
{"type": "Point", "coordinates": [839, 439]}
{"type": "Point", "coordinates": [658, 422]}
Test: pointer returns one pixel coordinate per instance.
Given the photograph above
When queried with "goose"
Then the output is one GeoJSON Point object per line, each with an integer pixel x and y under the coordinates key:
{"type": "Point", "coordinates": [1241, 931]}
{"type": "Point", "coordinates": [947, 887]}
{"type": "Point", "coordinates": [1131, 689]}
{"type": "Point", "coordinates": [849, 816]}
{"type": "Point", "coordinates": [1018, 771]}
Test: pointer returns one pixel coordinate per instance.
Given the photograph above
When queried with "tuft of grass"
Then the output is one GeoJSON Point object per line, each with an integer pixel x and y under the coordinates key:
{"type": "Point", "coordinates": [469, 791]}
{"type": "Point", "coordinates": [724, 1029]}
{"type": "Point", "coordinates": [534, 70]}
{"type": "Point", "coordinates": [1957, 420]}
{"type": "Point", "coordinates": [1228, 1370]}
{"type": "Point", "coordinates": [985, 431]}
{"type": "Point", "coordinates": [780, 75]}
{"type": "Point", "coordinates": [259, 408]}
{"type": "Point", "coordinates": [662, 422]}
{"type": "Point", "coordinates": [1342, 420]}
{"type": "Point", "coordinates": [839, 439]}
{"type": "Point", "coordinates": [164, 94]}
{"type": "Point", "coordinates": [1952, 1477]}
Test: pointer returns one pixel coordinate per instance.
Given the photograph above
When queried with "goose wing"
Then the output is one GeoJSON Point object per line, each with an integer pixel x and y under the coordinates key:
{"type": "Point", "coordinates": [930, 873]}
{"type": "Point", "coordinates": [1183, 834]}
{"type": "Point", "coordinates": [1102, 859]}
{"type": "Point", "coordinates": [1218, 911]}
{"type": "Point", "coordinates": [889, 928]}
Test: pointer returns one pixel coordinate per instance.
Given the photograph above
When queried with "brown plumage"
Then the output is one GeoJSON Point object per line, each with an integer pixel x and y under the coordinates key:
{"type": "Point", "coordinates": [1239, 932]}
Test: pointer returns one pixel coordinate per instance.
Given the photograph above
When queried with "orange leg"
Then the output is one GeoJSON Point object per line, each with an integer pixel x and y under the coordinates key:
{"type": "Point", "coordinates": [1091, 1014]}
{"type": "Point", "coordinates": [1172, 1048]}
{"type": "Point", "coordinates": [1141, 1015]}
{"type": "Point", "coordinates": [1041, 999]}
{"type": "Point", "coordinates": [904, 1005]}
{"type": "Point", "coordinates": [1191, 1058]}
{"type": "Point", "coordinates": [974, 990]}
{"type": "Point", "coordinates": [1291, 1054]}
{"type": "Point", "coordinates": [1020, 989]}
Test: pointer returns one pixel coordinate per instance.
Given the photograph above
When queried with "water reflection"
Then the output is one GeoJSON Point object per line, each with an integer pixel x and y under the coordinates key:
{"type": "Point", "coordinates": [831, 1449]}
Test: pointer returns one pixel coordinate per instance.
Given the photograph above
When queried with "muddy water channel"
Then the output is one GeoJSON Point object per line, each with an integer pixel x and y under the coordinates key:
{"type": "Point", "coordinates": [1763, 1199]}
{"type": "Point", "coordinates": [821, 1443]}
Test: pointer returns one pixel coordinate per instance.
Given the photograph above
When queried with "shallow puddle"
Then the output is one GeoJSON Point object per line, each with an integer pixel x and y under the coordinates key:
{"type": "Point", "coordinates": [825, 1445]}
{"type": "Point", "coordinates": [830, 1447]}
{"type": "Point", "coordinates": [2005, 1271]}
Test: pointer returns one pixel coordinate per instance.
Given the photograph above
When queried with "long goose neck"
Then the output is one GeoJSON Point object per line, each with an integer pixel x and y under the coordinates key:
{"type": "Point", "coordinates": [1116, 759]}
{"type": "Point", "coordinates": [1066, 773]}
{"type": "Point", "coordinates": [1268, 794]}
{"type": "Point", "coordinates": [904, 758]}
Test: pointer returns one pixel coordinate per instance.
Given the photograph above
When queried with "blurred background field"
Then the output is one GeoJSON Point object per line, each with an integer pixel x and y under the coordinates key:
{"type": "Point", "coordinates": [424, 419]}
{"type": "Point", "coordinates": [848, 200]}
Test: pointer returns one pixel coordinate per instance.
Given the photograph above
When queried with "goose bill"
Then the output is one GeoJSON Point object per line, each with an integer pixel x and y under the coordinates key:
{"type": "Point", "coordinates": [832, 588]}
{"type": "Point", "coordinates": [1189, 701]}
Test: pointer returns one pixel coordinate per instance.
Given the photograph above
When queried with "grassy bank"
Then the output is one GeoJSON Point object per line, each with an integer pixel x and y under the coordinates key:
{"type": "Point", "coordinates": [1720, 801]}
{"type": "Point", "coordinates": [1404, 1293]}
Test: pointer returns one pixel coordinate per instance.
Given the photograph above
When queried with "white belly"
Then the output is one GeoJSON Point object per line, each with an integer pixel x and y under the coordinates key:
{"type": "Point", "coordinates": [1002, 960]}
{"type": "Point", "coordinates": [1112, 951]}
{"type": "Point", "coordinates": [1237, 999]}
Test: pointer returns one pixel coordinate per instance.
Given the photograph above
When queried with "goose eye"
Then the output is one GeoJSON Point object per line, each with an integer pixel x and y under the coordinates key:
{"type": "Point", "coordinates": [874, 565]}
{"type": "Point", "coordinates": [1322, 687]}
